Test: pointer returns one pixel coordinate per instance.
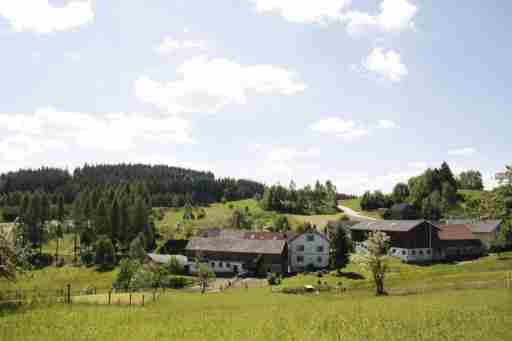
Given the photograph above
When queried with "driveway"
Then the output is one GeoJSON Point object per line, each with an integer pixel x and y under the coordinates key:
{"type": "Point", "coordinates": [353, 214]}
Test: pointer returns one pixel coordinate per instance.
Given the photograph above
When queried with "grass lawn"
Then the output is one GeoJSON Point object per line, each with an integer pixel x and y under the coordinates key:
{"type": "Point", "coordinates": [218, 215]}
{"type": "Point", "coordinates": [355, 204]}
{"type": "Point", "coordinates": [257, 314]}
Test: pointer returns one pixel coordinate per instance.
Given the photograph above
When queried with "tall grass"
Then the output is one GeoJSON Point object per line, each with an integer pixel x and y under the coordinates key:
{"type": "Point", "coordinates": [259, 315]}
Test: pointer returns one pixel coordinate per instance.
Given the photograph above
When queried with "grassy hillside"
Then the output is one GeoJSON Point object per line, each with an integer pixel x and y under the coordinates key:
{"type": "Point", "coordinates": [218, 214]}
{"type": "Point", "coordinates": [259, 314]}
{"type": "Point", "coordinates": [355, 204]}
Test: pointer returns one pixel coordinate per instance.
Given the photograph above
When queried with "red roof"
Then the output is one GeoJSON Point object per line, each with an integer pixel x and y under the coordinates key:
{"type": "Point", "coordinates": [455, 232]}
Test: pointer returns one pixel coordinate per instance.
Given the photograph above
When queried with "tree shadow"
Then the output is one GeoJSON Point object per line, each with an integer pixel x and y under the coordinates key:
{"type": "Point", "coordinates": [350, 275]}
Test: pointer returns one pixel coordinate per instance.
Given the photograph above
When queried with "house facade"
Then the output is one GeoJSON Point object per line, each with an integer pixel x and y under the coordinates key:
{"type": "Point", "coordinates": [308, 250]}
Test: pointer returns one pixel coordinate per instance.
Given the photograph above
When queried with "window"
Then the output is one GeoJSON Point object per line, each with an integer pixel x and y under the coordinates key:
{"type": "Point", "coordinates": [421, 252]}
{"type": "Point", "coordinates": [319, 249]}
{"type": "Point", "coordinates": [319, 259]}
{"type": "Point", "coordinates": [228, 265]}
{"type": "Point", "coordinates": [428, 252]}
{"type": "Point", "coordinates": [310, 237]}
{"type": "Point", "coordinates": [413, 252]}
{"type": "Point", "coordinates": [300, 259]}
{"type": "Point", "coordinates": [221, 265]}
{"type": "Point", "coordinates": [213, 264]}
{"type": "Point", "coordinates": [393, 250]}
{"type": "Point", "coordinates": [404, 252]}
{"type": "Point", "coordinates": [300, 247]}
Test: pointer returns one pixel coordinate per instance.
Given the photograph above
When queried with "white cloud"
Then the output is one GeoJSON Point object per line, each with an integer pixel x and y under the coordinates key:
{"type": "Point", "coordinates": [207, 85]}
{"type": "Point", "coordinates": [347, 130]}
{"type": "Point", "coordinates": [41, 17]}
{"type": "Point", "coordinates": [109, 132]}
{"type": "Point", "coordinates": [462, 151]}
{"type": "Point", "coordinates": [386, 124]}
{"type": "Point", "coordinates": [394, 16]}
{"type": "Point", "coordinates": [387, 64]}
{"type": "Point", "coordinates": [169, 45]}
{"type": "Point", "coordinates": [303, 11]}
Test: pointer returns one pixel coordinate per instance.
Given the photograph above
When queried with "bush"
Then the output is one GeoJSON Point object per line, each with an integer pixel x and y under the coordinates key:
{"type": "Point", "coordinates": [127, 268]}
{"type": "Point", "coordinates": [174, 266]}
{"type": "Point", "coordinates": [143, 279]}
{"type": "Point", "coordinates": [274, 279]}
{"type": "Point", "coordinates": [105, 257]}
{"type": "Point", "coordinates": [87, 258]}
{"type": "Point", "coordinates": [174, 282]}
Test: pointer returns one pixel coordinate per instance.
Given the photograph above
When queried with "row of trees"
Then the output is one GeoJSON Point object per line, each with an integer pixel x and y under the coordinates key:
{"type": "Point", "coordinates": [427, 195]}
{"type": "Point", "coordinates": [321, 199]}
{"type": "Point", "coordinates": [167, 186]}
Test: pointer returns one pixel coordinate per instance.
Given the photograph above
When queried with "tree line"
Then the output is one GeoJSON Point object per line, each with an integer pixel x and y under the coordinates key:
{"type": "Point", "coordinates": [167, 186]}
{"type": "Point", "coordinates": [320, 199]}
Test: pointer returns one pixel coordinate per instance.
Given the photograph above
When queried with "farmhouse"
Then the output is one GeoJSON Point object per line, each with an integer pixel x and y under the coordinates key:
{"type": "Point", "coordinates": [485, 230]}
{"type": "Point", "coordinates": [458, 241]}
{"type": "Point", "coordinates": [411, 240]}
{"type": "Point", "coordinates": [422, 241]}
{"type": "Point", "coordinates": [238, 255]}
{"type": "Point", "coordinates": [307, 250]}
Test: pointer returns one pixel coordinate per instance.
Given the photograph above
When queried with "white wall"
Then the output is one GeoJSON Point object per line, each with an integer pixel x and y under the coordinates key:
{"type": "Point", "coordinates": [218, 266]}
{"type": "Point", "coordinates": [411, 255]}
{"type": "Point", "coordinates": [310, 254]}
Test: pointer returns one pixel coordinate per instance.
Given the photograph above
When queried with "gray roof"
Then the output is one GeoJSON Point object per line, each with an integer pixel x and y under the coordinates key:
{"type": "Point", "coordinates": [477, 226]}
{"type": "Point", "coordinates": [236, 245]}
{"type": "Point", "coordinates": [222, 233]}
{"type": "Point", "coordinates": [387, 225]}
{"type": "Point", "coordinates": [164, 259]}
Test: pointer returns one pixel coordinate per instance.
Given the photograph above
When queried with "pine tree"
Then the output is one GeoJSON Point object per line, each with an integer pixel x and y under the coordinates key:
{"type": "Point", "coordinates": [115, 221]}
{"type": "Point", "coordinates": [101, 220]}
{"type": "Point", "coordinates": [60, 208]}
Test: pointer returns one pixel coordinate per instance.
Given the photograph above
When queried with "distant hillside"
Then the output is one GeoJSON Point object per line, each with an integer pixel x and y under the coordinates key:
{"type": "Point", "coordinates": [168, 186]}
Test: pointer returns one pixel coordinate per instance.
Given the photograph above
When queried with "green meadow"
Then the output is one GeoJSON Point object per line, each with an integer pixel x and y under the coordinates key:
{"type": "Point", "coordinates": [464, 301]}
{"type": "Point", "coordinates": [218, 215]}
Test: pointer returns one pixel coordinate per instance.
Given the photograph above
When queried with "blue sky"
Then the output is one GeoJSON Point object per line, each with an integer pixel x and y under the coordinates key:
{"type": "Point", "coordinates": [366, 93]}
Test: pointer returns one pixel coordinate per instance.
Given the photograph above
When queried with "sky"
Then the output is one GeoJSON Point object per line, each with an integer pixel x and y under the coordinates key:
{"type": "Point", "coordinates": [365, 93]}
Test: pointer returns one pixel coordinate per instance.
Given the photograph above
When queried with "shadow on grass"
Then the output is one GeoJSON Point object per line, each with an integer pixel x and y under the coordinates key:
{"type": "Point", "coordinates": [350, 275]}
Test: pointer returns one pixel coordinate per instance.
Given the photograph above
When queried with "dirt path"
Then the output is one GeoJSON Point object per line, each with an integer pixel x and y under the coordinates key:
{"type": "Point", "coordinates": [354, 214]}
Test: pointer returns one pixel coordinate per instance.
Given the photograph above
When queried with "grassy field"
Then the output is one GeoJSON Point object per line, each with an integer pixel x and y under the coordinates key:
{"type": "Point", "coordinates": [257, 314]}
{"type": "Point", "coordinates": [355, 204]}
{"type": "Point", "coordinates": [447, 310]}
{"type": "Point", "coordinates": [218, 214]}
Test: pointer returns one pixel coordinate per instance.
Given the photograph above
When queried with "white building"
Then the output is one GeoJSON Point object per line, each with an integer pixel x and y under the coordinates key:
{"type": "Point", "coordinates": [308, 250]}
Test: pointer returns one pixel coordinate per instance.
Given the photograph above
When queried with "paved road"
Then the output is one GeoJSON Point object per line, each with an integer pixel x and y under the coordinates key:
{"type": "Point", "coordinates": [353, 214]}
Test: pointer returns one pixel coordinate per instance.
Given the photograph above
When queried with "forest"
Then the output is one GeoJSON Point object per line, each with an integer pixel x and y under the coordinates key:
{"type": "Point", "coordinates": [166, 186]}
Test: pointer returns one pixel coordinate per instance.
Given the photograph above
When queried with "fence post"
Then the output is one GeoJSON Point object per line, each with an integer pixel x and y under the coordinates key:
{"type": "Point", "coordinates": [130, 298]}
{"type": "Point", "coordinates": [109, 296]}
{"type": "Point", "coordinates": [142, 300]}
{"type": "Point", "coordinates": [69, 294]}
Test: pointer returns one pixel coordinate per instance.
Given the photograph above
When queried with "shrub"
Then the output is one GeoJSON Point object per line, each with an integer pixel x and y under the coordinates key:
{"type": "Point", "coordinates": [105, 254]}
{"type": "Point", "coordinates": [143, 279]}
{"type": "Point", "coordinates": [174, 266]}
{"type": "Point", "coordinates": [174, 282]}
{"type": "Point", "coordinates": [274, 279]}
{"type": "Point", "coordinates": [127, 268]}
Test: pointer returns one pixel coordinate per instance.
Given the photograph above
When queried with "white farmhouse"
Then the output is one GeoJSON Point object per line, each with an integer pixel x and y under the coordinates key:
{"type": "Point", "coordinates": [308, 250]}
